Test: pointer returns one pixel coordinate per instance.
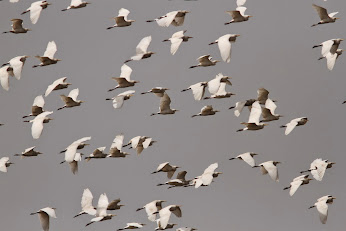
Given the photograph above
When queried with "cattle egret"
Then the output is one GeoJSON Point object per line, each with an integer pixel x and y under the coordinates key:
{"type": "Point", "coordinates": [71, 99]}
{"type": "Point", "coordinates": [178, 182]}
{"type": "Point", "coordinates": [74, 163]}
{"type": "Point", "coordinates": [295, 122]}
{"type": "Point", "coordinates": [247, 157]}
{"type": "Point", "coordinates": [118, 100]}
{"type": "Point", "coordinates": [221, 92]}
{"type": "Point", "coordinates": [140, 143]}
{"type": "Point", "coordinates": [270, 168]}
{"type": "Point", "coordinates": [37, 106]}
{"type": "Point", "coordinates": [151, 208]}
{"type": "Point", "coordinates": [207, 177]}
{"type": "Point", "coordinates": [132, 226]}
{"type": "Point", "coordinates": [166, 212]}
{"type": "Point", "coordinates": [142, 50]}
{"type": "Point", "coordinates": [205, 61]}
{"type": "Point", "coordinates": [37, 124]}
{"type": "Point", "coordinates": [17, 64]}
{"type": "Point", "coordinates": [98, 153]}
{"type": "Point", "coordinates": [87, 204]}
{"type": "Point", "coordinates": [101, 212]}
{"type": "Point", "coordinates": [4, 164]}
{"type": "Point", "coordinates": [121, 20]}
{"type": "Point", "coordinates": [239, 106]}
{"type": "Point", "coordinates": [166, 167]}
{"type": "Point", "coordinates": [29, 152]}
{"type": "Point", "coordinates": [76, 4]}
{"type": "Point", "coordinates": [297, 182]}
{"type": "Point", "coordinates": [115, 149]}
{"type": "Point", "coordinates": [318, 167]}
{"type": "Point", "coordinates": [238, 15]}
{"type": "Point", "coordinates": [185, 229]}
{"type": "Point", "coordinates": [262, 95]}
{"type": "Point", "coordinates": [268, 112]}
{"type": "Point", "coordinates": [80, 146]}
{"type": "Point", "coordinates": [35, 10]}
{"type": "Point", "coordinates": [197, 89]}
{"type": "Point", "coordinates": [72, 149]}
{"type": "Point", "coordinates": [5, 73]}
{"type": "Point", "coordinates": [176, 39]}
{"type": "Point", "coordinates": [175, 18]}
{"type": "Point", "coordinates": [253, 123]}
{"type": "Point", "coordinates": [214, 84]}
{"type": "Point", "coordinates": [158, 91]}
{"type": "Point", "coordinates": [165, 108]}
{"type": "Point", "coordinates": [17, 27]}
{"type": "Point", "coordinates": [206, 111]}
{"type": "Point", "coordinates": [114, 205]}
{"type": "Point", "coordinates": [324, 16]}
{"type": "Point", "coordinates": [322, 207]}
{"type": "Point", "coordinates": [331, 46]}
{"type": "Point", "coordinates": [124, 79]}
{"type": "Point", "coordinates": [44, 215]}
{"type": "Point", "coordinates": [57, 85]}
{"type": "Point", "coordinates": [225, 45]}
{"type": "Point", "coordinates": [48, 56]}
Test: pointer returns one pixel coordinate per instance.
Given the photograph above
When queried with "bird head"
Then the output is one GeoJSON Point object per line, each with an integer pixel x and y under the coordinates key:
{"type": "Point", "coordinates": [276, 162]}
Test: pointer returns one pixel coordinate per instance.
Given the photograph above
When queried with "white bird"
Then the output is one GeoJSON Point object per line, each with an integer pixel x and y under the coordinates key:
{"type": "Point", "coordinates": [158, 91]}
{"type": "Point", "coordinates": [331, 58]}
{"type": "Point", "coordinates": [205, 61]}
{"type": "Point", "coordinates": [37, 124]}
{"type": "Point", "coordinates": [178, 182]}
{"type": "Point", "coordinates": [206, 111]}
{"type": "Point", "coordinates": [71, 99]}
{"type": "Point", "coordinates": [268, 111]}
{"type": "Point", "coordinates": [87, 204]}
{"type": "Point", "coordinates": [324, 16]}
{"type": "Point", "coordinates": [175, 18]}
{"type": "Point", "coordinates": [132, 226]}
{"type": "Point", "coordinates": [270, 168]}
{"type": "Point", "coordinates": [101, 212]}
{"type": "Point", "coordinates": [124, 80]}
{"type": "Point", "coordinates": [318, 168]}
{"type": "Point", "coordinates": [142, 50]}
{"type": "Point", "coordinates": [176, 39]}
{"type": "Point", "coordinates": [239, 106]}
{"type": "Point", "coordinates": [35, 10]}
{"type": "Point", "coordinates": [247, 157]}
{"type": "Point", "coordinates": [44, 215]}
{"type": "Point", "coordinates": [118, 100]}
{"type": "Point", "coordinates": [214, 84]}
{"type": "Point", "coordinates": [238, 15]}
{"type": "Point", "coordinates": [297, 182]}
{"type": "Point", "coordinates": [185, 229]}
{"type": "Point", "coordinates": [225, 45]}
{"type": "Point", "coordinates": [166, 212]}
{"type": "Point", "coordinates": [57, 85]}
{"type": "Point", "coordinates": [140, 143]}
{"type": "Point", "coordinates": [322, 207]}
{"type": "Point", "coordinates": [71, 150]}
{"type": "Point", "coordinates": [74, 163]}
{"type": "Point", "coordinates": [17, 27]}
{"type": "Point", "coordinates": [98, 153]}
{"type": "Point", "coordinates": [5, 73]}
{"type": "Point", "coordinates": [166, 167]}
{"type": "Point", "coordinates": [48, 56]}
{"type": "Point", "coordinates": [165, 108]}
{"type": "Point", "coordinates": [4, 164]}
{"type": "Point", "coordinates": [151, 208]}
{"type": "Point", "coordinates": [221, 92]}
{"type": "Point", "coordinates": [330, 45]}
{"type": "Point", "coordinates": [253, 123]}
{"type": "Point", "coordinates": [76, 4]}
{"type": "Point", "coordinates": [115, 149]}
{"type": "Point", "coordinates": [293, 123]}
{"type": "Point", "coordinates": [37, 107]}
{"type": "Point", "coordinates": [28, 152]}
{"type": "Point", "coordinates": [197, 89]}
{"type": "Point", "coordinates": [121, 20]}
{"type": "Point", "coordinates": [207, 177]}
{"type": "Point", "coordinates": [80, 146]}
{"type": "Point", "coordinates": [17, 64]}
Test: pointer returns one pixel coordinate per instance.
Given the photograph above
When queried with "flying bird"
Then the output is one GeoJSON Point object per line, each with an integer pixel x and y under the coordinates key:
{"type": "Point", "coordinates": [238, 15]}
{"type": "Point", "coordinates": [115, 149]}
{"type": "Point", "coordinates": [142, 50]}
{"type": "Point", "coordinates": [35, 10]}
{"type": "Point", "coordinates": [71, 99]}
{"type": "Point", "coordinates": [71, 150]}
{"type": "Point", "coordinates": [270, 168]}
{"type": "Point", "coordinates": [215, 84]}
{"type": "Point", "coordinates": [207, 177]}
{"type": "Point", "coordinates": [121, 20]}
{"type": "Point", "coordinates": [17, 27]}
{"type": "Point", "coordinates": [330, 45]}
{"type": "Point", "coordinates": [140, 143]}
{"type": "Point", "coordinates": [37, 124]}
{"type": "Point", "coordinates": [206, 111]}
{"type": "Point", "coordinates": [101, 212]}
{"type": "Point", "coordinates": [76, 4]}
{"type": "Point", "coordinates": [253, 124]}
{"type": "Point", "coordinates": [180, 181]}
{"type": "Point", "coordinates": [225, 45]}
{"type": "Point", "coordinates": [197, 89]}
{"type": "Point", "coordinates": [324, 16]}
{"type": "Point", "coordinates": [37, 107]}
{"type": "Point", "coordinates": [152, 208]}
{"type": "Point", "coordinates": [132, 226]}
{"type": "Point", "coordinates": [322, 207]}
{"type": "Point", "coordinates": [165, 108]}
{"type": "Point", "coordinates": [98, 153]}
{"type": "Point", "coordinates": [297, 182]}
{"type": "Point", "coordinates": [87, 204]}
{"type": "Point", "coordinates": [124, 79]}
{"type": "Point", "coordinates": [318, 168]}
{"type": "Point", "coordinates": [239, 106]}
{"type": "Point", "coordinates": [247, 157]}
{"type": "Point", "coordinates": [4, 164]}
{"type": "Point", "coordinates": [118, 100]}
{"type": "Point", "coordinates": [5, 73]}
{"type": "Point", "coordinates": [44, 215]}
{"type": "Point", "coordinates": [57, 85]}
{"type": "Point", "coordinates": [166, 212]}
{"type": "Point", "coordinates": [293, 123]}
{"type": "Point", "coordinates": [29, 152]}
{"type": "Point", "coordinates": [166, 167]}
{"type": "Point", "coordinates": [221, 92]}
{"type": "Point", "coordinates": [176, 39]}
{"type": "Point", "coordinates": [268, 111]}
{"type": "Point", "coordinates": [48, 56]}
{"type": "Point", "coordinates": [205, 61]}
{"type": "Point", "coordinates": [158, 91]}
{"type": "Point", "coordinates": [175, 18]}
{"type": "Point", "coordinates": [17, 64]}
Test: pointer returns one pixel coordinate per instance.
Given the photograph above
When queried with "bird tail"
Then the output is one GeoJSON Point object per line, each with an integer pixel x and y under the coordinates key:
{"type": "Point", "coordinates": [239, 130]}
{"type": "Point", "coordinates": [108, 28]}
{"type": "Point", "coordinates": [226, 23]}
{"type": "Point", "coordinates": [287, 188]}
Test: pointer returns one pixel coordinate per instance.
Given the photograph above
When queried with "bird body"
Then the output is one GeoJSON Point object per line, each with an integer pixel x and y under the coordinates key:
{"type": "Point", "coordinates": [121, 20]}
{"type": "Point", "coordinates": [322, 207]}
{"type": "Point", "coordinates": [197, 89]}
{"type": "Point", "coordinates": [48, 56]}
{"type": "Point", "coordinates": [297, 182]}
{"type": "Point", "coordinates": [98, 153]}
{"type": "Point", "coordinates": [29, 152]}
{"type": "Point", "coordinates": [101, 211]}
{"type": "Point", "coordinates": [238, 15]}
{"type": "Point", "coordinates": [115, 149]}
{"type": "Point", "coordinates": [37, 106]}
{"type": "Point", "coordinates": [253, 124]}
{"type": "Point", "coordinates": [17, 27]}
{"type": "Point", "coordinates": [37, 124]}
{"type": "Point", "coordinates": [166, 212]}
{"type": "Point", "coordinates": [166, 167]}
{"type": "Point", "coordinates": [295, 122]}
{"type": "Point", "coordinates": [318, 168]}
{"type": "Point", "coordinates": [71, 99]}
{"type": "Point", "coordinates": [71, 150]}
{"type": "Point", "coordinates": [152, 208]}
{"type": "Point", "coordinates": [268, 112]}
{"type": "Point", "coordinates": [5, 73]}
{"type": "Point", "coordinates": [17, 64]}
{"type": "Point", "coordinates": [133, 225]}
{"type": "Point", "coordinates": [158, 91]}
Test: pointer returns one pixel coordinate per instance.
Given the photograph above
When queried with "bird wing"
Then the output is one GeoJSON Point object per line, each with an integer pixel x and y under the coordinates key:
{"type": "Point", "coordinates": [75, 2]}
{"type": "Point", "coordinates": [118, 142]}
{"type": "Point", "coordinates": [331, 59]}
{"type": "Point", "coordinates": [240, 2]}
{"type": "Point", "coordinates": [225, 48]}
{"type": "Point", "coordinates": [206, 109]}
{"type": "Point", "coordinates": [211, 168]}
{"type": "Point", "coordinates": [271, 106]}
{"type": "Point", "coordinates": [44, 220]}
{"type": "Point", "coordinates": [248, 159]}
{"type": "Point", "coordinates": [121, 80]}
{"type": "Point", "coordinates": [198, 91]}
{"type": "Point", "coordinates": [49, 211]}
{"type": "Point", "coordinates": [222, 89]}
{"type": "Point", "coordinates": [235, 14]}
{"type": "Point", "coordinates": [51, 87]}
{"type": "Point", "coordinates": [166, 20]}
{"type": "Point", "coordinates": [262, 94]}
{"type": "Point", "coordinates": [214, 84]}
{"type": "Point", "coordinates": [165, 102]}
{"type": "Point", "coordinates": [124, 12]}
{"type": "Point", "coordinates": [326, 46]}
{"type": "Point", "coordinates": [72, 148]}
{"type": "Point", "coordinates": [102, 206]}
{"type": "Point", "coordinates": [3, 162]}
{"type": "Point", "coordinates": [255, 113]}
{"type": "Point", "coordinates": [126, 72]}
{"type": "Point", "coordinates": [151, 208]}
{"type": "Point", "coordinates": [272, 171]}
{"type": "Point", "coordinates": [17, 66]}
{"type": "Point", "coordinates": [165, 214]}
{"type": "Point", "coordinates": [319, 172]}
{"type": "Point", "coordinates": [4, 78]}
{"type": "Point", "coordinates": [207, 178]}
{"type": "Point", "coordinates": [147, 142]}
{"type": "Point", "coordinates": [37, 125]}
{"type": "Point", "coordinates": [113, 204]}
{"type": "Point", "coordinates": [239, 108]}
{"type": "Point", "coordinates": [322, 208]}
{"type": "Point", "coordinates": [332, 14]}
{"type": "Point", "coordinates": [161, 166]}
{"type": "Point", "coordinates": [87, 200]}
{"type": "Point", "coordinates": [51, 49]}
{"type": "Point", "coordinates": [143, 45]}
{"type": "Point", "coordinates": [17, 24]}
{"type": "Point", "coordinates": [204, 60]}
{"type": "Point", "coordinates": [322, 12]}
{"type": "Point", "coordinates": [29, 149]}
{"type": "Point", "coordinates": [241, 10]}
{"type": "Point", "coordinates": [175, 43]}
{"type": "Point", "coordinates": [177, 211]}
{"type": "Point", "coordinates": [178, 34]}
{"type": "Point", "coordinates": [38, 101]}
{"type": "Point", "coordinates": [291, 125]}
{"type": "Point", "coordinates": [126, 93]}
{"type": "Point", "coordinates": [74, 94]}
{"type": "Point", "coordinates": [294, 186]}
{"type": "Point", "coordinates": [35, 11]}
{"type": "Point", "coordinates": [134, 141]}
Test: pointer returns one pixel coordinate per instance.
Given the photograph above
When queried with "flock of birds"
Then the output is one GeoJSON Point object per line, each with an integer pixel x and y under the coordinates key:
{"type": "Point", "coordinates": [262, 106]}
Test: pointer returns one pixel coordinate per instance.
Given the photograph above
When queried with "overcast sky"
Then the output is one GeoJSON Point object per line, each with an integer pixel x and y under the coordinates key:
{"type": "Point", "coordinates": [273, 51]}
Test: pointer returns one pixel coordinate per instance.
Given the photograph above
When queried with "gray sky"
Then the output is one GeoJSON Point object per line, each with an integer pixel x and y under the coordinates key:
{"type": "Point", "coordinates": [273, 51]}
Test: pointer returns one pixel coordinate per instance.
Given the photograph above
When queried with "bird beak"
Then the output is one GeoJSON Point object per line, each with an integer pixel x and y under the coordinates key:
{"type": "Point", "coordinates": [333, 198]}
{"type": "Point", "coordinates": [250, 16]}
{"type": "Point", "coordinates": [220, 172]}
{"type": "Point", "coordinates": [237, 35]}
